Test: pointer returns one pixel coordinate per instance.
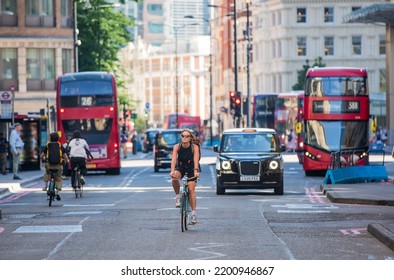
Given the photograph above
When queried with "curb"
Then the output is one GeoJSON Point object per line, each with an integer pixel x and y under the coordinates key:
{"type": "Point", "coordinates": [382, 234]}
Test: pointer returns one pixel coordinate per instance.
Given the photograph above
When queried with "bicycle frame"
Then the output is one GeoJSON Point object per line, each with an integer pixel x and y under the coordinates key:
{"type": "Point", "coordinates": [185, 208]}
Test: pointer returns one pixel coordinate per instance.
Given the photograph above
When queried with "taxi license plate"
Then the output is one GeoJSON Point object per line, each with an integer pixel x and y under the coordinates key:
{"type": "Point", "coordinates": [90, 165]}
{"type": "Point", "coordinates": [250, 178]}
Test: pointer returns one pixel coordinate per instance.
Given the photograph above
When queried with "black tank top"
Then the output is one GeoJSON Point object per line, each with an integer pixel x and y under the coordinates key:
{"type": "Point", "coordinates": [185, 157]}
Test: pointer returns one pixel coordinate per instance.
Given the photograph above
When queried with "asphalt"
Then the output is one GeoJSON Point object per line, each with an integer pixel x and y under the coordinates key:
{"type": "Point", "coordinates": [372, 193]}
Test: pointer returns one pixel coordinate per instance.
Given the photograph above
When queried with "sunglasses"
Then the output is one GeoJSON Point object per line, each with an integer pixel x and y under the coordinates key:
{"type": "Point", "coordinates": [185, 136]}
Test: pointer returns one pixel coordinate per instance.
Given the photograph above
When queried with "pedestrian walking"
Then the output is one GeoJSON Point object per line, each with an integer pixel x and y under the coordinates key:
{"type": "Point", "coordinates": [17, 145]}
{"type": "Point", "coordinates": [3, 152]}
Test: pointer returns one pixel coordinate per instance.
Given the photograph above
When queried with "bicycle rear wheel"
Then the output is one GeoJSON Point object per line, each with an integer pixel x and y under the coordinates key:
{"type": "Point", "coordinates": [76, 182]}
{"type": "Point", "coordinates": [51, 190]}
{"type": "Point", "coordinates": [184, 206]}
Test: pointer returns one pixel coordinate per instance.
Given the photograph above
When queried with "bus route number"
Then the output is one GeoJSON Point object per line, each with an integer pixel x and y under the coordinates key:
{"type": "Point", "coordinates": [86, 101]}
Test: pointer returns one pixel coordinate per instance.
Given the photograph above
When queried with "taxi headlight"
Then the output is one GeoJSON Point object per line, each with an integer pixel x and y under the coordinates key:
{"type": "Point", "coordinates": [226, 165]}
{"type": "Point", "coordinates": [274, 164]}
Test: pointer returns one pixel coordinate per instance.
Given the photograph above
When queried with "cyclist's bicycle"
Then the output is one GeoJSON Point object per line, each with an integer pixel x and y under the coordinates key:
{"type": "Point", "coordinates": [52, 192]}
{"type": "Point", "coordinates": [185, 208]}
{"type": "Point", "coordinates": [78, 186]}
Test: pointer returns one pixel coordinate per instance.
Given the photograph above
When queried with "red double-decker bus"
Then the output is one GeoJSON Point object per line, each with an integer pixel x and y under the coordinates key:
{"type": "Point", "coordinates": [336, 117]}
{"type": "Point", "coordinates": [87, 101]}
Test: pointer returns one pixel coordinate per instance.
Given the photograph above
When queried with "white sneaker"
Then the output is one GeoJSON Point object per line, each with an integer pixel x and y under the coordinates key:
{"type": "Point", "coordinates": [193, 220]}
{"type": "Point", "coordinates": [178, 202]}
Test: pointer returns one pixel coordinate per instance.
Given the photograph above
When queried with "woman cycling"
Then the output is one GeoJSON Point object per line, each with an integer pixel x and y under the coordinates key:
{"type": "Point", "coordinates": [79, 153]}
{"type": "Point", "coordinates": [185, 160]}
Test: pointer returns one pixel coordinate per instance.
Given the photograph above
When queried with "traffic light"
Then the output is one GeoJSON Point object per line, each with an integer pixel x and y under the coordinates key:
{"type": "Point", "coordinates": [237, 104]}
{"type": "Point", "coordinates": [232, 102]}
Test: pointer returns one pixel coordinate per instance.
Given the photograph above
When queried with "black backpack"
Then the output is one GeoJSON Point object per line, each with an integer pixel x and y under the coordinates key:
{"type": "Point", "coordinates": [54, 152]}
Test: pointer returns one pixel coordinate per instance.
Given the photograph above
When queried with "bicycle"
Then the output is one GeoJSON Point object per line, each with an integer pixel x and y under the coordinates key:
{"type": "Point", "coordinates": [78, 186]}
{"type": "Point", "coordinates": [185, 208]}
{"type": "Point", "coordinates": [52, 192]}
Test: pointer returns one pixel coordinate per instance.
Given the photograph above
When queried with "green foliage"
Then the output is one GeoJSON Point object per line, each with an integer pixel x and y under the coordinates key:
{"type": "Point", "coordinates": [102, 32]}
{"type": "Point", "coordinates": [300, 85]}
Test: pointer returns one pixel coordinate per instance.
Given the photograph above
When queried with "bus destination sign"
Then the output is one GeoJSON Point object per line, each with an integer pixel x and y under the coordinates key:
{"type": "Point", "coordinates": [336, 107]}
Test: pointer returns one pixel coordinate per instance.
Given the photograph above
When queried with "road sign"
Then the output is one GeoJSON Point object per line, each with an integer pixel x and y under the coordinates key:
{"type": "Point", "coordinates": [147, 105]}
{"type": "Point", "coordinates": [5, 105]}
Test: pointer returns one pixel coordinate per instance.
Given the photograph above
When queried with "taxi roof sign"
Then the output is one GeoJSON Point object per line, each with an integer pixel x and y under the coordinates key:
{"type": "Point", "coordinates": [249, 130]}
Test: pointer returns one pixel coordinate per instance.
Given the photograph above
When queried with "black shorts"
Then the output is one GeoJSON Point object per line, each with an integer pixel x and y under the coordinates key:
{"type": "Point", "coordinates": [189, 171]}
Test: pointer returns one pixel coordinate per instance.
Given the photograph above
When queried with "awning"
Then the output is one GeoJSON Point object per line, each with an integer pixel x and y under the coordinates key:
{"type": "Point", "coordinates": [375, 13]}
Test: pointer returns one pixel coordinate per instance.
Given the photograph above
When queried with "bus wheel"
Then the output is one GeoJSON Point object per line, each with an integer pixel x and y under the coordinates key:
{"type": "Point", "coordinates": [113, 171]}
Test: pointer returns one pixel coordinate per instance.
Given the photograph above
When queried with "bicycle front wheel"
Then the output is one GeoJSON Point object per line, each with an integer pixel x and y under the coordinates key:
{"type": "Point", "coordinates": [184, 206]}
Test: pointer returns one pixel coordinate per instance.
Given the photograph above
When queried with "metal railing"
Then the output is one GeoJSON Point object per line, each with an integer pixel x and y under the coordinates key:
{"type": "Point", "coordinates": [350, 157]}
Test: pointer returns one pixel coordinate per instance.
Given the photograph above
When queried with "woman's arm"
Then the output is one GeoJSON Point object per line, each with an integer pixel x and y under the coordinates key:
{"type": "Point", "coordinates": [174, 157]}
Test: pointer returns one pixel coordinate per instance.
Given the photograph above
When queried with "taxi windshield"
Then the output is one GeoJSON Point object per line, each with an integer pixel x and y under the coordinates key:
{"type": "Point", "coordinates": [256, 142]}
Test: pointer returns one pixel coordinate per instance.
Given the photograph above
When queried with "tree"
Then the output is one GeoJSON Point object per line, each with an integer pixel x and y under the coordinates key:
{"type": "Point", "coordinates": [102, 32]}
{"type": "Point", "coordinates": [300, 85]}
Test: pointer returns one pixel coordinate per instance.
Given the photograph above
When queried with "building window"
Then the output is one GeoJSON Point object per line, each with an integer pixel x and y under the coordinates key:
{"type": "Point", "coordinates": [382, 44]}
{"type": "Point", "coordinates": [301, 15]}
{"type": "Point", "coordinates": [8, 68]}
{"type": "Point", "coordinates": [155, 9]}
{"type": "Point", "coordinates": [40, 69]}
{"type": "Point", "coordinates": [328, 14]}
{"type": "Point", "coordinates": [356, 45]}
{"type": "Point", "coordinates": [329, 45]}
{"type": "Point", "coordinates": [66, 61]}
{"type": "Point", "coordinates": [355, 8]}
{"type": "Point", "coordinates": [382, 80]}
{"type": "Point", "coordinates": [66, 13]}
{"type": "Point", "coordinates": [155, 28]}
{"type": "Point", "coordinates": [40, 13]}
{"type": "Point", "coordinates": [273, 49]}
{"type": "Point", "coordinates": [301, 46]}
{"type": "Point", "coordinates": [8, 13]}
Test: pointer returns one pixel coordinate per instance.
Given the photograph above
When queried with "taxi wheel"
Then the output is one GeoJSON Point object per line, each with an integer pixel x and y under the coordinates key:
{"type": "Point", "coordinates": [219, 188]}
{"type": "Point", "coordinates": [279, 189]}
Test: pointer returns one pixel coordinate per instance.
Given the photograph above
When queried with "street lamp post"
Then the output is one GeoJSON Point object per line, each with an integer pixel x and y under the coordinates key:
{"type": "Point", "coordinates": [76, 41]}
{"type": "Point", "coordinates": [248, 121]}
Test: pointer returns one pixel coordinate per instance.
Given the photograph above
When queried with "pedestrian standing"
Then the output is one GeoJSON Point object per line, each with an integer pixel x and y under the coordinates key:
{"type": "Point", "coordinates": [3, 152]}
{"type": "Point", "coordinates": [16, 144]}
{"type": "Point", "coordinates": [124, 137]}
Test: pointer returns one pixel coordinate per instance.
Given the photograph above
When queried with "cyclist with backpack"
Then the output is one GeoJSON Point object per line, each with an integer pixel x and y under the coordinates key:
{"type": "Point", "coordinates": [79, 154]}
{"type": "Point", "coordinates": [185, 159]}
{"type": "Point", "coordinates": [54, 154]}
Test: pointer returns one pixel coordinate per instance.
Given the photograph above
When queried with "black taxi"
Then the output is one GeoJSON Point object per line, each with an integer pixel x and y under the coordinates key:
{"type": "Point", "coordinates": [249, 158]}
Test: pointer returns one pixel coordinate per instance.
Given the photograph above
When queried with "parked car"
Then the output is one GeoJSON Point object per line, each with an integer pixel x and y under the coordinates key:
{"type": "Point", "coordinates": [164, 143]}
{"type": "Point", "coordinates": [149, 141]}
{"type": "Point", "coordinates": [249, 158]}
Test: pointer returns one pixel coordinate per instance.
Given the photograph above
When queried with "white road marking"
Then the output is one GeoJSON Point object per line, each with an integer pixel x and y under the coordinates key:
{"type": "Point", "coordinates": [48, 229]}
{"type": "Point", "coordinates": [83, 213]}
{"type": "Point", "coordinates": [206, 248]}
{"type": "Point", "coordinates": [303, 211]}
{"type": "Point", "coordinates": [306, 206]}
{"type": "Point", "coordinates": [88, 205]}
